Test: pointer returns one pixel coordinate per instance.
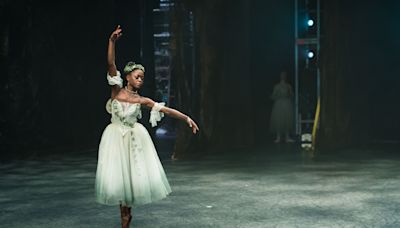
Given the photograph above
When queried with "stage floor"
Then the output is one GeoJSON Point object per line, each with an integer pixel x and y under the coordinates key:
{"type": "Point", "coordinates": [272, 186]}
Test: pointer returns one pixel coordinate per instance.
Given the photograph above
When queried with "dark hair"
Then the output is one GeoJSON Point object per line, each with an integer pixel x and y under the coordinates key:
{"type": "Point", "coordinates": [131, 66]}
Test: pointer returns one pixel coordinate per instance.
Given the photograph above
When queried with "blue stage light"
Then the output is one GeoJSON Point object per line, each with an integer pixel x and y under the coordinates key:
{"type": "Point", "coordinates": [310, 22]}
{"type": "Point", "coordinates": [310, 54]}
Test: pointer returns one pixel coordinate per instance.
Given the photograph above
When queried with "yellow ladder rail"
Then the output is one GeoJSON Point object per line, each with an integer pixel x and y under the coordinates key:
{"type": "Point", "coordinates": [316, 121]}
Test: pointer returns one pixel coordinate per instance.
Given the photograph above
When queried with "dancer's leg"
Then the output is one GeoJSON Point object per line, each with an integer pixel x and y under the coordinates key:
{"type": "Point", "coordinates": [125, 216]}
{"type": "Point", "coordinates": [288, 139]}
{"type": "Point", "coordinates": [278, 138]}
{"type": "Point", "coordinates": [129, 215]}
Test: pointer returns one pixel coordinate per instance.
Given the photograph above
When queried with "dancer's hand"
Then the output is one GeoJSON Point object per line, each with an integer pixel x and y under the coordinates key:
{"type": "Point", "coordinates": [192, 125]}
{"type": "Point", "coordinates": [116, 34]}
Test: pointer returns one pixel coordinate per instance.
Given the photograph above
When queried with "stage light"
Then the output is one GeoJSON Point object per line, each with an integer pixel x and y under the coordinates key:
{"type": "Point", "coordinates": [310, 22]}
{"type": "Point", "coordinates": [310, 54]}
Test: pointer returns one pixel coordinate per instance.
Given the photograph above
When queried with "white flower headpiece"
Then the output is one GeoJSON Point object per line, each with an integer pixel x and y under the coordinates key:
{"type": "Point", "coordinates": [131, 66]}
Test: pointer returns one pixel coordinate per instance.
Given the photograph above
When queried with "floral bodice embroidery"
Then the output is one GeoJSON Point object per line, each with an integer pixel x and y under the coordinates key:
{"type": "Point", "coordinates": [125, 113]}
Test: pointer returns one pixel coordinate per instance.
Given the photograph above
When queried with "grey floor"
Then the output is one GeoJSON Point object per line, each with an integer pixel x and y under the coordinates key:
{"type": "Point", "coordinates": [272, 186]}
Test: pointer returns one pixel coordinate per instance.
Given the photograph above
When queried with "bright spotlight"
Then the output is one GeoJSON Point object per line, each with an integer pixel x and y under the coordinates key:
{"type": "Point", "coordinates": [310, 54]}
{"type": "Point", "coordinates": [310, 22]}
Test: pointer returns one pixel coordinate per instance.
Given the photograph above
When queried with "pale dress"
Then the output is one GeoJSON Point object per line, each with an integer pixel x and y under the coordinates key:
{"type": "Point", "coordinates": [282, 109]}
{"type": "Point", "coordinates": [129, 171]}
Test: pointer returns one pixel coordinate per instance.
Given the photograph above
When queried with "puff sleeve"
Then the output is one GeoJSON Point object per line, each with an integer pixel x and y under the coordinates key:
{"type": "Point", "coordinates": [155, 114]}
{"type": "Point", "coordinates": [115, 80]}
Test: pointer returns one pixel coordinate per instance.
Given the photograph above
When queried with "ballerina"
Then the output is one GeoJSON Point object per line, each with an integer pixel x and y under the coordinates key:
{"type": "Point", "coordinates": [129, 171]}
{"type": "Point", "coordinates": [282, 109]}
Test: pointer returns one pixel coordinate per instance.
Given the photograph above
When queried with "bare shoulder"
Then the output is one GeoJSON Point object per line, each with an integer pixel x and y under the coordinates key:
{"type": "Point", "coordinates": [123, 96]}
{"type": "Point", "coordinates": [146, 101]}
{"type": "Point", "coordinates": [120, 95]}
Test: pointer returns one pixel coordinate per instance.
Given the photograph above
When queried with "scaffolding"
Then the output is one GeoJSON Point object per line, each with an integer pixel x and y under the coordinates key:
{"type": "Point", "coordinates": [307, 70]}
{"type": "Point", "coordinates": [162, 51]}
{"type": "Point", "coordinates": [162, 47]}
{"type": "Point", "coordinates": [164, 61]}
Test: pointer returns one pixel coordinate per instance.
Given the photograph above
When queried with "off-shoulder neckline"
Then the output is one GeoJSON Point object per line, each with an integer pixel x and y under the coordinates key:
{"type": "Point", "coordinates": [124, 102]}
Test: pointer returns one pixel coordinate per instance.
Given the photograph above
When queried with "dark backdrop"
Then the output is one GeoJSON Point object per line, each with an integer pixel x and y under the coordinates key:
{"type": "Point", "coordinates": [53, 61]}
{"type": "Point", "coordinates": [53, 87]}
{"type": "Point", "coordinates": [360, 72]}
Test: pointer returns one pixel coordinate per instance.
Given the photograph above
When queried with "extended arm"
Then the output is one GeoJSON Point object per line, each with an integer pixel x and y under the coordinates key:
{"type": "Point", "coordinates": [290, 91]}
{"type": "Point", "coordinates": [274, 93]}
{"type": "Point", "coordinates": [172, 112]}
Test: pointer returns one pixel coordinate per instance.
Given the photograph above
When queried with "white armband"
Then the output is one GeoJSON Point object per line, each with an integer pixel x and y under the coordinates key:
{"type": "Point", "coordinates": [115, 80]}
{"type": "Point", "coordinates": [155, 114]}
{"type": "Point", "coordinates": [108, 106]}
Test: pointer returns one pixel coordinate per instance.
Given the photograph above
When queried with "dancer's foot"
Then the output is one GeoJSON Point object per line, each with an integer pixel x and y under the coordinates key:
{"type": "Point", "coordinates": [173, 157]}
{"type": "Point", "coordinates": [277, 141]}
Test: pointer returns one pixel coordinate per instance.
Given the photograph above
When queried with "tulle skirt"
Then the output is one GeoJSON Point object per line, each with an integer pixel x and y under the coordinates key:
{"type": "Point", "coordinates": [129, 171]}
{"type": "Point", "coordinates": [282, 116]}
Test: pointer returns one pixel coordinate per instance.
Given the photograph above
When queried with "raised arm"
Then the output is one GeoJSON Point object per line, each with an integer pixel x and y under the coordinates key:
{"type": "Point", "coordinates": [173, 113]}
{"type": "Point", "coordinates": [115, 82]}
{"type": "Point", "coordinates": [112, 68]}
{"type": "Point", "coordinates": [290, 91]}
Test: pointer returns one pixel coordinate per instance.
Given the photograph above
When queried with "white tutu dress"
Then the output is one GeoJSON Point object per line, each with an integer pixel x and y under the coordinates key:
{"type": "Point", "coordinates": [282, 109]}
{"type": "Point", "coordinates": [129, 171]}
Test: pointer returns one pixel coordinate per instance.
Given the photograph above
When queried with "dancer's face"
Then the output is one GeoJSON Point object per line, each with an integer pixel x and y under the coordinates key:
{"type": "Point", "coordinates": [136, 78]}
